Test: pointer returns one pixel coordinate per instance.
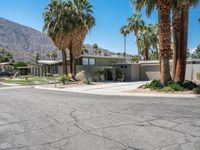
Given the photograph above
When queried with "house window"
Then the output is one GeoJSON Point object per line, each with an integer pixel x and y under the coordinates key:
{"type": "Point", "coordinates": [85, 61]}
{"type": "Point", "coordinates": [92, 61]}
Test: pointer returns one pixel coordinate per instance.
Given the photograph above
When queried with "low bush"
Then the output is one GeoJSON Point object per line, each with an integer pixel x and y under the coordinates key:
{"type": "Point", "coordinates": [171, 86]}
{"type": "Point", "coordinates": [189, 85]}
{"type": "Point", "coordinates": [119, 74]}
{"type": "Point", "coordinates": [63, 79]}
{"type": "Point", "coordinates": [154, 85]}
{"type": "Point", "coordinates": [96, 75]}
{"type": "Point", "coordinates": [175, 86]}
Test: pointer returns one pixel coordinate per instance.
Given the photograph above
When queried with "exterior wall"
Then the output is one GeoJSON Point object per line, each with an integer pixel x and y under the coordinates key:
{"type": "Point", "coordinates": [143, 71]}
{"type": "Point", "coordinates": [149, 72]}
{"type": "Point", "coordinates": [131, 71]}
{"type": "Point", "coordinates": [152, 71]}
{"type": "Point", "coordinates": [89, 70]}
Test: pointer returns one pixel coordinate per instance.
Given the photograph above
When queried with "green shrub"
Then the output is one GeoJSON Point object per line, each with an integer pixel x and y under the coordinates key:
{"type": "Point", "coordinates": [118, 73]}
{"type": "Point", "coordinates": [198, 75]}
{"type": "Point", "coordinates": [175, 86]}
{"type": "Point", "coordinates": [20, 64]}
{"type": "Point", "coordinates": [155, 85]}
{"type": "Point", "coordinates": [63, 79]}
{"type": "Point", "coordinates": [96, 75]}
{"type": "Point", "coordinates": [189, 85]}
{"type": "Point", "coordinates": [167, 89]}
{"type": "Point", "coordinates": [171, 86]}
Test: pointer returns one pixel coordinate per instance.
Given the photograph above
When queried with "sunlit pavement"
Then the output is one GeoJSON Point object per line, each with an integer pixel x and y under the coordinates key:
{"type": "Point", "coordinates": [32, 119]}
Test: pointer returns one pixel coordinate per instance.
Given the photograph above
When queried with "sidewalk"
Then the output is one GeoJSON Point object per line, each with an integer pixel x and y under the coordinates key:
{"type": "Point", "coordinates": [116, 89]}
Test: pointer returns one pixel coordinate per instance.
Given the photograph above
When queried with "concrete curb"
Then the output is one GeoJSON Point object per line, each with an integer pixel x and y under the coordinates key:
{"type": "Point", "coordinates": [9, 84]}
{"type": "Point", "coordinates": [123, 94]}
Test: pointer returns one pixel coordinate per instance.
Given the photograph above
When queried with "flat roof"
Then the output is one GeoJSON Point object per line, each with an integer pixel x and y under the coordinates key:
{"type": "Point", "coordinates": [92, 56]}
{"type": "Point", "coordinates": [5, 63]}
{"type": "Point", "coordinates": [49, 62]}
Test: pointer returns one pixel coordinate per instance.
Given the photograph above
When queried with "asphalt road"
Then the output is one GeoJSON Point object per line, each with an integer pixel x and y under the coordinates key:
{"type": "Point", "coordinates": [33, 119]}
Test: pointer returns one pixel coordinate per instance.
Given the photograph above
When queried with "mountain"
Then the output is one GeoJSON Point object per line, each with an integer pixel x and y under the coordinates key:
{"type": "Point", "coordinates": [24, 42]}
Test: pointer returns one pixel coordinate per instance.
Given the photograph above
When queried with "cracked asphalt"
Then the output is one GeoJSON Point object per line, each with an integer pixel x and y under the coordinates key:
{"type": "Point", "coordinates": [32, 119]}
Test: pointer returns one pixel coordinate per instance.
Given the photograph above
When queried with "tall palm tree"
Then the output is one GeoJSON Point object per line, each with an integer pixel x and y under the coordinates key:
{"type": "Point", "coordinates": [180, 31]}
{"type": "Point", "coordinates": [125, 31]}
{"type": "Point", "coordinates": [85, 20]}
{"type": "Point", "coordinates": [58, 27]}
{"type": "Point", "coordinates": [147, 38]}
{"type": "Point", "coordinates": [67, 23]}
{"type": "Point", "coordinates": [163, 7]}
{"type": "Point", "coordinates": [135, 24]}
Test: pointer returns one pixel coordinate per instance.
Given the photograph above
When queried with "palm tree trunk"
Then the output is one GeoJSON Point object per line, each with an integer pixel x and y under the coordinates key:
{"type": "Point", "coordinates": [124, 46]}
{"type": "Point", "coordinates": [176, 23]}
{"type": "Point", "coordinates": [182, 55]}
{"type": "Point", "coordinates": [72, 64]}
{"type": "Point", "coordinates": [137, 42]}
{"type": "Point", "coordinates": [157, 53]}
{"type": "Point", "coordinates": [146, 54]}
{"type": "Point", "coordinates": [164, 32]}
{"type": "Point", "coordinates": [71, 61]}
{"type": "Point", "coordinates": [64, 59]}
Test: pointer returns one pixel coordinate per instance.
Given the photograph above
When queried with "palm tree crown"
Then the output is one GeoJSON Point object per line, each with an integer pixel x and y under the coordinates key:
{"type": "Point", "coordinates": [125, 30]}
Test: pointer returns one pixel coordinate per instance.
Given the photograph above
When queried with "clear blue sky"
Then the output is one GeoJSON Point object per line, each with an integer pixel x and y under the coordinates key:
{"type": "Point", "coordinates": [110, 16]}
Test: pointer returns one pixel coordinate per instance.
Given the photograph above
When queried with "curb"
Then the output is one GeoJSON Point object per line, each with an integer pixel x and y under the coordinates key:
{"type": "Point", "coordinates": [123, 94]}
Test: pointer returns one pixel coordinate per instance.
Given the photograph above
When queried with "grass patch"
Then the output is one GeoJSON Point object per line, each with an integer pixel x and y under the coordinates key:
{"type": "Point", "coordinates": [172, 86]}
{"type": "Point", "coordinates": [29, 81]}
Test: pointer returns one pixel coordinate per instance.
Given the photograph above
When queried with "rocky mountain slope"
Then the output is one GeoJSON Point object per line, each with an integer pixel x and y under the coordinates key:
{"type": "Point", "coordinates": [24, 42]}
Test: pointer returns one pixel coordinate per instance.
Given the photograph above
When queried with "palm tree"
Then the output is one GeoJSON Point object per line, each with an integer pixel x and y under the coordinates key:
{"type": "Point", "coordinates": [125, 31]}
{"type": "Point", "coordinates": [58, 27]}
{"type": "Point", "coordinates": [52, 54]}
{"type": "Point", "coordinates": [147, 38]}
{"type": "Point", "coordinates": [135, 24]}
{"type": "Point", "coordinates": [67, 23]}
{"type": "Point", "coordinates": [84, 50]}
{"type": "Point", "coordinates": [180, 31]}
{"type": "Point", "coordinates": [96, 49]}
{"type": "Point", "coordinates": [84, 22]}
{"type": "Point", "coordinates": [164, 33]}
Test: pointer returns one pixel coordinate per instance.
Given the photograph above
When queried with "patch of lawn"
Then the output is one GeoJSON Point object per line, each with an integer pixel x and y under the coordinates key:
{"type": "Point", "coordinates": [29, 81]}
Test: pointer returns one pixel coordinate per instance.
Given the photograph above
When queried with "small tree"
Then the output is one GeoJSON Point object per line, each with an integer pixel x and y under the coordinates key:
{"type": "Point", "coordinates": [20, 64]}
{"type": "Point", "coordinates": [196, 54]}
{"type": "Point", "coordinates": [96, 48]}
{"type": "Point", "coordinates": [37, 57]}
{"type": "Point", "coordinates": [52, 54]}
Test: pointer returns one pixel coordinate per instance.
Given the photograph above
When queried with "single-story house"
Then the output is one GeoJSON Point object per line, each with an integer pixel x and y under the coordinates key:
{"type": "Point", "coordinates": [49, 67]}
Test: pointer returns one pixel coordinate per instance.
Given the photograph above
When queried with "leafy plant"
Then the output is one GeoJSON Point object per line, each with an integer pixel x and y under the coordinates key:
{"type": "Point", "coordinates": [63, 79]}
{"type": "Point", "coordinates": [189, 85]}
{"type": "Point", "coordinates": [118, 73]}
{"type": "Point", "coordinates": [20, 64]}
{"type": "Point", "coordinates": [154, 85]}
{"type": "Point", "coordinates": [175, 86]}
{"type": "Point", "coordinates": [96, 75]}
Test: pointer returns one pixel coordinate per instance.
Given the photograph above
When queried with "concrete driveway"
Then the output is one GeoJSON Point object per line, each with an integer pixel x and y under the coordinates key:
{"type": "Point", "coordinates": [33, 119]}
